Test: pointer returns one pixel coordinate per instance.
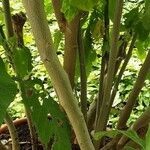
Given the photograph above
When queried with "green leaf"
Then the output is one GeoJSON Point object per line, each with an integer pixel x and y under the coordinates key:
{"type": "Point", "coordinates": [55, 128]}
{"type": "Point", "coordinates": [130, 134]}
{"type": "Point", "coordinates": [99, 135]}
{"type": "Point", "coordinates": [141, 31]}
{"type": "Point", "coordinates": [131, 18]}
{"type": "Point", "coordinates": [23, 61]}
{"type": "Point", "coordinates": [68, 10]}
{"type": "Point", "coordinates": [85, 5]}
{"type": "Point", "coordinates": [112, 6]}
{"type": "Point", "coordinates": [8, 90]}
{"type": "Point", "coordinates": [148, 138]}
{"type": "Point", "coordinates": [141, 50]}
{"type": "Point", "coordinates": [57, 38]}
{"type": "Point", "coordinates": [133, 136]}
{"type": "Point", "coordinates": [146, 17]}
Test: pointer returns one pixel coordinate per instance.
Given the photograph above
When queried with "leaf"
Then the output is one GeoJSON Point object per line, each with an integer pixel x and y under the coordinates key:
{"type": "Point", "coordinates": [8, 90]}
{"type": "Point", "coordinates": [85, 5]}
{"type": "Point", "coordinates": [141, 31]}
{"type": "Point", "coordinates": [55, 128]}
{"type": "Point", "coordinates": [57, 38]}
{"type": "Point", "coordinates": [133, 136]}
{"type": "Point", "coordinates": [148, 138]}
{"type": "Point", "coordinates": [68, 10]}
{"type": "Point", "coordinates": [23, 61]}
{"type": "Point", "coordinates": [112, 6]}
{"type": "Point", "coordinates": [146, 17]}
{"type": "Point", "coordinates": [131, 18]}
{"type": "Point", "coordinates": [129, 133]}
{"type": "Point", "coordinates": [99, 135]}
{"type": "Point", "coordinates": [141, 50]}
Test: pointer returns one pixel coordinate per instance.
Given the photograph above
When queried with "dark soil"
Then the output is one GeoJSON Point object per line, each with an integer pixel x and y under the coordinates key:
{"type": "Point", "coordinates": [24, 138]}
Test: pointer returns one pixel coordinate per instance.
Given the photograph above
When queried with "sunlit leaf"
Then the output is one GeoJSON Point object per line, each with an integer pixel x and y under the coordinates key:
{"type": "Point", "coordinates": [85, 5]}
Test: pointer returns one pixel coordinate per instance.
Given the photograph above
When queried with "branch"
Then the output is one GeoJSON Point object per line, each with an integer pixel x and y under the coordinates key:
{"type": "Point", "coordinates": [129, 54]}
{"type": "Point", "coordinates": [126, 111]}
{"type": "Point", "coordinates": [58, 76]}
{"type": "Point", "coordinates": [13, 132]}
{"type": "Point", "coordinates": [83, 76]}
{"type": "Point", "coordinates": [104, 62]}
{"type": "Point", "coordinates": [59, 15]}
{"type": "Point", "coordinates": [142, 121]}
{"type": "Point", "coordinates": [8, 22]}
{"type": "Point", "coordinates": [111, 66]}
{"type": "Point", "coordinates": [71, 46]}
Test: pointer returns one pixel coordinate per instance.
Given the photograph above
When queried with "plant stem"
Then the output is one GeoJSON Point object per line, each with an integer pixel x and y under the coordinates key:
{"type": "Point", "coordinates": [13, 133]}
{"type": "Point", "coordinates": [126, 111]}
{"type": "Point", "coordinates": [8, 22]}
{"type": "Point", "coordinates": [102, 118]}
{"type": "Point", "coordinates": [142, 121]}
{"type": "Point", "coordinates": [58, 76]}
{"type": "Point", "coordinates": [82, 73]}
{"type": "Point", "coordinates": [104, 62]}
{"type": "Point", "coordinates": [129, 54]}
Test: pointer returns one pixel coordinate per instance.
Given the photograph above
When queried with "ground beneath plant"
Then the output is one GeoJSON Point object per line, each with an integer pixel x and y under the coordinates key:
{"type": "Point", "coordinates": [24, 139]}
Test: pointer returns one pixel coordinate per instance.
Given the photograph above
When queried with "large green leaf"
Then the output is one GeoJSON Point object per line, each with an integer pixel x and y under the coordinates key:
{"type": "Point", "coordinates": [55, 128]}
{"type": "Point", "coordinates": [8, 90]}
{"type": "Point", "coordinates": [68, 10]}
{"type": "Point", "coordinates": [131, 18]}
{"type": "Point", "coordinates": [146, 17]}
{"type": "Point", "coordinates": [23, 61]}
{"type": "Point", "coordinates": [85, 5]}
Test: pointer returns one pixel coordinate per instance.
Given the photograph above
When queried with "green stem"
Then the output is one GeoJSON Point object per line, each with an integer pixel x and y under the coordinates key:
{"type": "Point", "coordinates": [8, 22]}
{"type": "Point", "coordinates": [13, 132]}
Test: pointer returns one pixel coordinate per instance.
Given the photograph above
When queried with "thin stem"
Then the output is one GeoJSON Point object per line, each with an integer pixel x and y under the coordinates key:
{"type": "Point", "coordinates": [129, 54]}
{"type": "Point", "coordinates": [102, 119]}
{"type": "Point", "coordinates": [13, 132]}
{"type": "Point", "coordinates": [82, 73]}
{"type": "Point", "coordinates": [104, 62]}
{"type": "Point", "coordinates": [8, 22]}
{"type": "Point", "coordinates": [126, 111]}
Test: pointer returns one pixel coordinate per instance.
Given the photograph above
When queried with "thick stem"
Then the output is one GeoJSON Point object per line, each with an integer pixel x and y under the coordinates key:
{"type": "Point", "coordinates": [126, 111]}
{"type": "Point", "coordinates": [82, 73]}
{"type": "Point", "coordinates": [58, 75]}
{"type": "Point", "coordinates": [13, 132]}
{"type": "Point", "coordinates": [8, 22]}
